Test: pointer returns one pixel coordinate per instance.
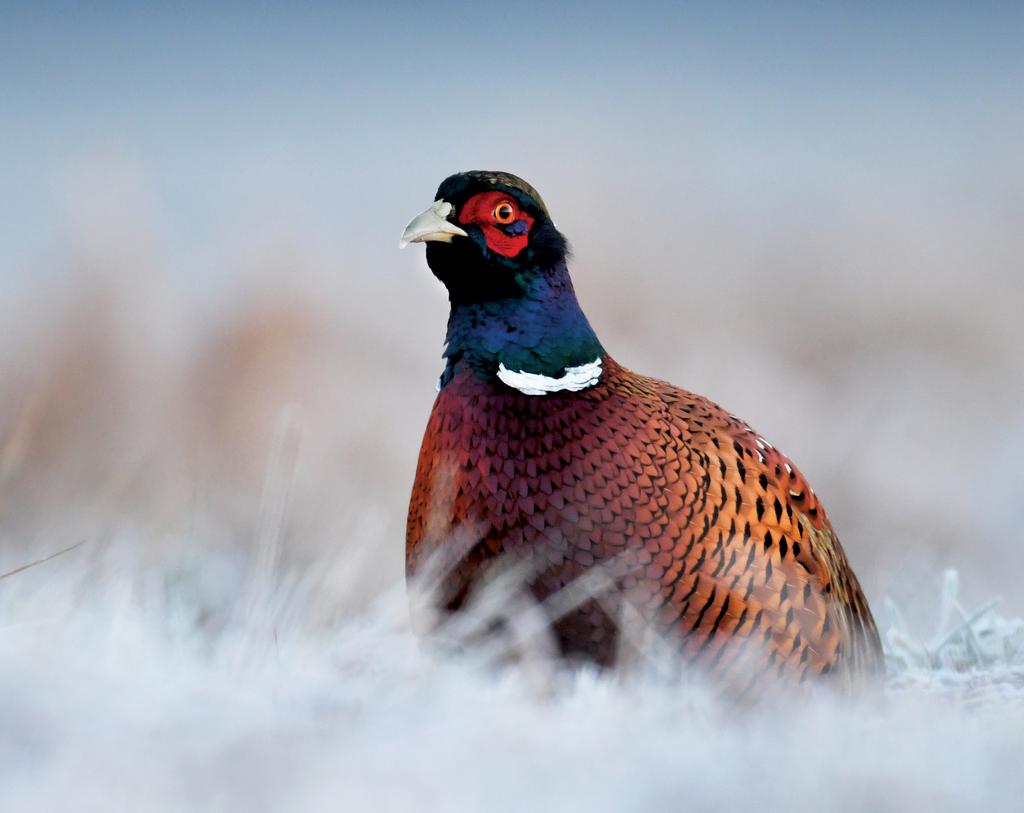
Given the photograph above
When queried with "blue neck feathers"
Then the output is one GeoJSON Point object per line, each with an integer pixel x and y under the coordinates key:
{"type": "Point", "coordinates": [543, 330]}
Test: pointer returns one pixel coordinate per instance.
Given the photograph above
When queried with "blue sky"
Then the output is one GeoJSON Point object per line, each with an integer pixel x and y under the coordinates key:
{"type": "Point", "coordinates": [339, 120]}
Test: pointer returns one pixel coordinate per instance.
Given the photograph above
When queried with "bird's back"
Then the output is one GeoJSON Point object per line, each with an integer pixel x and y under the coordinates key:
{"type": "Point", "coordinates": [702, 528]}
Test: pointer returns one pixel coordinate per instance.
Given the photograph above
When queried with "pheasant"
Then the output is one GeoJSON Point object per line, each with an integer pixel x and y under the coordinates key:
{"type": "Point", "coordinates": [542, 450]}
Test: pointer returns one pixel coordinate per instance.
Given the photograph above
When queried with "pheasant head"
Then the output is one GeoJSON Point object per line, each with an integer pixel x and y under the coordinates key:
{"type": "Point", "coordinates": [492, 243]}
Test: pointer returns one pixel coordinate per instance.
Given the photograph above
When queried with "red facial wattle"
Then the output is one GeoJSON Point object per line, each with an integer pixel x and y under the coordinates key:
{"type": "Point", "coordinates": [506, 227]}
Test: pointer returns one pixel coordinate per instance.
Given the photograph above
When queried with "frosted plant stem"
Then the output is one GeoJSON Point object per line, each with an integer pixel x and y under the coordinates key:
{"type": "Point", "coordinates": [41, 561]}
{"type": "Point", "coordinates": [274, 498]}
{"type": "Point", "coordinates": [969, 637]}
{"type": "Point", "coordinates": [966, 622]}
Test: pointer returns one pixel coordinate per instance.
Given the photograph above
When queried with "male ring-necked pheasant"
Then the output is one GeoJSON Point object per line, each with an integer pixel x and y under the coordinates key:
{"type": "Point", "coordinates": [542, 449]}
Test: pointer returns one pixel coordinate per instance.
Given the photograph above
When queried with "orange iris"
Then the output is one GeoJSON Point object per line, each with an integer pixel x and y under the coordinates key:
{"type": "Point", "coordinates": [504, 212]}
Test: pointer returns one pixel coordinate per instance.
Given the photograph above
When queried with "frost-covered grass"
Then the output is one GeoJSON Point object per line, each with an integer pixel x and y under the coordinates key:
{"type": "Point", "coordinates": [974, 655]}
{"type": "Point", "coordinates": [196, 679]}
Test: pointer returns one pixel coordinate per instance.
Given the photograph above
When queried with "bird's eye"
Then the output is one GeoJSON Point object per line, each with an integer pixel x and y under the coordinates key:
{"type": "Point", "coordinates": [504, 212]}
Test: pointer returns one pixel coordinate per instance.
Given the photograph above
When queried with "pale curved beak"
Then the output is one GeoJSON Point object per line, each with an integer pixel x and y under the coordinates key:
{"type": "Point", "coordinates": [431, 225]}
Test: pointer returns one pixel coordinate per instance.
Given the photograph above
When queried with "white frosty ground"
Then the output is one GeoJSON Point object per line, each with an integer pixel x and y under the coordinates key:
{"type": "Point", "coordinates": [195, 684]}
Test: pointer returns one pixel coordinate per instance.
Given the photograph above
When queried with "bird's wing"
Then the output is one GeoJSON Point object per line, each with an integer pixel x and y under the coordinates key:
{"type": "Point", "coordinates": [760, 574]}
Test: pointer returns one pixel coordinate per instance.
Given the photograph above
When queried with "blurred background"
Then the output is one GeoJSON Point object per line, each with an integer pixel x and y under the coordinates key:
{"type": "Point", "coordinates": [811, 213]}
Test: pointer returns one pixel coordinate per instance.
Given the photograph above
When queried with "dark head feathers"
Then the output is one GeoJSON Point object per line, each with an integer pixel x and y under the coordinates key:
{"type": "Point", "coordinates": [457, 188]}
